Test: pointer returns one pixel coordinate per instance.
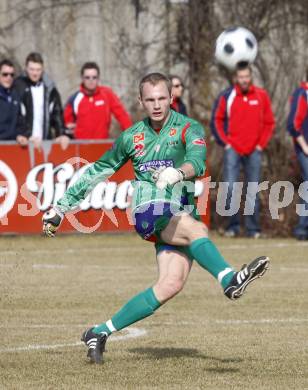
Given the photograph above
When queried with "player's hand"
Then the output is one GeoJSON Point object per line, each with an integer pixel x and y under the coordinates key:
{"type": "Point", "coordinates": [156, 173]}
{"type": "Point", "coordinates": [51, 221]}
{"type": "Point", "coordinates": [168, 176]}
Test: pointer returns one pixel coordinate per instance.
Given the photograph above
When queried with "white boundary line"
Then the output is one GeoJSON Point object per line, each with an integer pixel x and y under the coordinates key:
{"type": "Point", "coordinates": [61, 266]}
{"type": "Point", "coordinates": [294, 269]}
{"type": "Point", "coordinates": [71, 250]}
{"type": "Point", "coordinates": [243, 322]}
{"type": "Point", "coordinates": [265, 244]}
{"type": "Point", "coordinates": [139, 332]}
{"type": "Point", "coordinates": [45, 326]}
{"type": "Point", "coordinates": [132, 333]}
{"type": "Point", "coordinates": [264, 321]}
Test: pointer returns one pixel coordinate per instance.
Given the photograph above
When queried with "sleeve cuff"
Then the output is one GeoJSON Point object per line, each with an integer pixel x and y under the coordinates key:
{"type": "Point", "coordinates": [199, 170]}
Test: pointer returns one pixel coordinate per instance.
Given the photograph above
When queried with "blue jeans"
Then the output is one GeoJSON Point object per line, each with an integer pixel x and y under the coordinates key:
{"type": "Point", "coordinates": [301, 228]}
{"type": "Point", "coordinates": [252, 168]}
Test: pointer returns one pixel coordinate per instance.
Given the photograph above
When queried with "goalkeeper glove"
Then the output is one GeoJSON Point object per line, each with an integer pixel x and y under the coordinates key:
{"type": "Point", "coordinates": [51, 221]}
{"type": "Point", "coordinates": [167, 176]}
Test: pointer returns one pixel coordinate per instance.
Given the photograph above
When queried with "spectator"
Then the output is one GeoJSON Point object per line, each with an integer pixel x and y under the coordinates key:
{"type": "Point", "coordinates": [40, 105]}
{"type": "Point", "coordinates": [9, 105]}
{"type": "Point", "coordinates": [298, 129]}
{"type": "Point", "coordinates": [177, 93]}
{"type": "Point", "coordinates": [242, 122]}
{"type": "Point", "coordinates": [88, 111]}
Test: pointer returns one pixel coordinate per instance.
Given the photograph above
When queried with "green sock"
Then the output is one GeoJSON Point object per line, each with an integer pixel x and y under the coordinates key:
{"type": "Point", "coordinates": [137, 308]}
{"type": "Point", "coordinates": [207, 255]}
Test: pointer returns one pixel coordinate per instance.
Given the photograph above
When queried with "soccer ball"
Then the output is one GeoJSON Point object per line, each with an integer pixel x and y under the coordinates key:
{"type": "Point", "coordinates": [236, 45]}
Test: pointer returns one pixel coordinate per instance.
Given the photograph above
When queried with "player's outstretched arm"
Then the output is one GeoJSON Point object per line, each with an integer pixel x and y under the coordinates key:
{"type": "Point", "coordinates": [103, 168]}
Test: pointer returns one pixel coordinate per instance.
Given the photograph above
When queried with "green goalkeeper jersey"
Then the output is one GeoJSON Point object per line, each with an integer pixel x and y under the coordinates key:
{"type": "Point", "coordinates": [181, 140]}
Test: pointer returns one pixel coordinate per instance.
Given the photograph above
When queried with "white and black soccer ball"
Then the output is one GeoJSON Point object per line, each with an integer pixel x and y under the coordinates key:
{"type": "Point", "coordinates": [234, 46]}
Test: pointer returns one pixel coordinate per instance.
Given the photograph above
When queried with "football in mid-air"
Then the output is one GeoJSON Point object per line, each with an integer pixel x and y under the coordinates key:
{"type": "Point", "coordinates": [236, 45]}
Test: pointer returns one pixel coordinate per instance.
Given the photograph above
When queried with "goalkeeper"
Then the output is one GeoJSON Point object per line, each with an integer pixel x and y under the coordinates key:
{"type": "Point", "coordinates": [168, 152]}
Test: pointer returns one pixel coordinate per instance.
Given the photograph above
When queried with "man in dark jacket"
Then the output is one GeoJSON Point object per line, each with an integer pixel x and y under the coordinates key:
{"type": "Point", "coordinates": [41, 105]}
{"type": "Point", "coordinates": [298, 129]}
{"type": "Point", "coordinates": [9, 105]}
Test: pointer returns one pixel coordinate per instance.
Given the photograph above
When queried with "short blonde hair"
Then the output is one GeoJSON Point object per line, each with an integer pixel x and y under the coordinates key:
{"type": "Point", "coordinates": [155, 78]}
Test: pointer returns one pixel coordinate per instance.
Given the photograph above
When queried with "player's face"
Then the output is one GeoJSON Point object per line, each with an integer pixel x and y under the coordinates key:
{"type": "Point", "coordinates": [34, 71]}
{"type": "Point", "coordinates": [6, 76]}
{"type": "Point", "coordinates": [244, 79]}
{"type": "Point", "coordinates": [90, 79]}
{"type": "Point", "coordinates": [156, 102]}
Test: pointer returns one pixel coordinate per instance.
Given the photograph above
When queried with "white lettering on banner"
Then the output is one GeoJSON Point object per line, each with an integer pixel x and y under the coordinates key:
{"type": "Point", "coordinates": [124, 188]}
{"type": "Point", "coordinates": [48, 192]}
{"type": "Point", "coordinates": [3, 191]}
{"type": "Point", "coordinates": [50, 184]}
{"type": "Point", "coordinates": [8, 188]}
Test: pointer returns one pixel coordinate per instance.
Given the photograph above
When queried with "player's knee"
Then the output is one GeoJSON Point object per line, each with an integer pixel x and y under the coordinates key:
{"type": "Point", "coordinates": [198, 230]}
{"type": "Point", "coordinates": [173, 286]}
{"type": "Point", "coordinates": [194, 229]}
{"type": "Point", "coordinates": [169, 287]}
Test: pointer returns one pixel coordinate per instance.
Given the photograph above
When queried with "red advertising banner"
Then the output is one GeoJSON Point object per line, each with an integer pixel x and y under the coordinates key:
{"type": "Point", "coordinates": [32, 180]}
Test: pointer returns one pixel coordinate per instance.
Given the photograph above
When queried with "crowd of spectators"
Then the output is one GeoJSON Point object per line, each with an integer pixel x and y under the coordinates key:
{"type": "Point", "coordinates": [31, 107]}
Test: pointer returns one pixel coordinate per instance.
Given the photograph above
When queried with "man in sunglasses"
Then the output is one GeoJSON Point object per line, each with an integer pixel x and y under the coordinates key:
{"type": "Point", "coordinates": [88, 112]}
{"type": "Point", "coordinates": [9, 105]}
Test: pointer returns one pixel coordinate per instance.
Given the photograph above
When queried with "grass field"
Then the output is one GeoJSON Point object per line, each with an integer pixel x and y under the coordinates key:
{"type": "Point", "coordinates": [52, 289]}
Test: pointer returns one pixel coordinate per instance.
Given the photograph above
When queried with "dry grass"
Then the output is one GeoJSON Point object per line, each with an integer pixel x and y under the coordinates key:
{"type": "Point", "coordinates": [51, 290]}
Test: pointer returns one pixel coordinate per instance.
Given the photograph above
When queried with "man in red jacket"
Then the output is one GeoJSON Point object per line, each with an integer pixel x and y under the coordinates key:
{"type": "Point", "coordinates": [88, 112]}
{"type": "Point", "coordinates": [298, 129]}
{"type": "Point", "coordinates": [243, 123]}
